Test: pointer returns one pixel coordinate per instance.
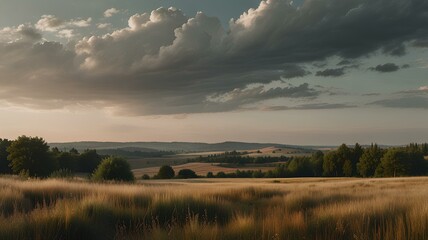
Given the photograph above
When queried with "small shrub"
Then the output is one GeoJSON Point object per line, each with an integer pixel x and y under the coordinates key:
{"type": "Point", "coordinates": [165, 172]}
{"type": "Point", "coordinates": [186, 173]}
{"type": "Point", "coordinates": [145, 177]}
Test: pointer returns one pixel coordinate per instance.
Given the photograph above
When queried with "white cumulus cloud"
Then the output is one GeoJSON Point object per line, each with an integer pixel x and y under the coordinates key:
{"type": "Point", "coordinates": [110, 12]}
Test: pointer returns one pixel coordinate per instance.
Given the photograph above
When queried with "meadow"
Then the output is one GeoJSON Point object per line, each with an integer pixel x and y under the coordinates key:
{"type": "Point", "coordinates": [306, 208]}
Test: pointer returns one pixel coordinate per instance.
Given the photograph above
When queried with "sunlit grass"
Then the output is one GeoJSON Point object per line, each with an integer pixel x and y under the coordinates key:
{"type": "Point", "coordinates": [215, 209]}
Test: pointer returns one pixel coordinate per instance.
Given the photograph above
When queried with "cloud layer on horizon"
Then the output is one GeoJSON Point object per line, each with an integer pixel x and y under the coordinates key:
{"type": "Point", "coordinates": [164, 62]}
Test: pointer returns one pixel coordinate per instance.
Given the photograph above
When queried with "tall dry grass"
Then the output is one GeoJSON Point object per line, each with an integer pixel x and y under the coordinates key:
{"type": "Point", "coordinates": [215, 209]}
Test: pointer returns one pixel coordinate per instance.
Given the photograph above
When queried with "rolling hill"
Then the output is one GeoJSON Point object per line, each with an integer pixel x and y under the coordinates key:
{"type": "Point", "coordinates": [169, 146]}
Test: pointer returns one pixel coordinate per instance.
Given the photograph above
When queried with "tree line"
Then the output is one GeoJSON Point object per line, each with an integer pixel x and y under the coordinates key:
{"type": "Point", "coordinates": [32, 157]}
{"type": "Point", "coordinates": [372, 161]}
{"type": "Point", "coordinates": [345, 161]}
{"type": "Point", "coordinates": [239, 158]}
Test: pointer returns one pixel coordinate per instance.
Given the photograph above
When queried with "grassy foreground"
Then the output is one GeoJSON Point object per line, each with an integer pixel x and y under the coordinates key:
{"type": "Point", "coordinates": [216, 209]}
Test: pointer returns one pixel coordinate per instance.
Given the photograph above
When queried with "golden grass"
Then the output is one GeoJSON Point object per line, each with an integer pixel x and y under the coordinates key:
{"type": "Point", "coordinates": [310, 208]}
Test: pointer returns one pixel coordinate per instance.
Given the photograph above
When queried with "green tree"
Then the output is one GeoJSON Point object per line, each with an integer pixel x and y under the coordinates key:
{"type": "Point", "coordinates": [4, 163]}
{"type": "Point", "coordinates": [257, 174]}
{"type": "Point", "coordinates": [424, 149]}
{"type": "Point", "coordinates": [186, 173]}
{"type": "Point", "coordinates": [417, 163]}
{"type": "Point", "coordinates": [370, 160]}
{"type": "Point", "coordinates": [145, 177]}
{"type": "Point", "coordinates": [401, 162]}
{"type": "Point", "coordinates": [348, 168]}
{"type": "Point", "coordinates": [392, 164]}
{"type": "Point", "coordinates": [280, 171]}
{"type": "Point", "coordinates": [165, 172]}
{"type": "Point", "coordinates": [31, 155]}
{"type": "Point", "coordinates": [335, 160]}
{"type": "Point", "coordinates": [67, 160]}
{"type": "Point", "coordinates": [221, 175]}
{"type": "Point", "coordinates": [300, 167]}
{"type": "Point", "coordinates": [113, 168]}
{"type": "Point", "coordinates": [317, 159]}
{"type": "Point", "coordinates": [88, 161]}
{"type": "Point", "coordinates": [357, 152]}
{"type": "Point", "coordinates": [331, 165]}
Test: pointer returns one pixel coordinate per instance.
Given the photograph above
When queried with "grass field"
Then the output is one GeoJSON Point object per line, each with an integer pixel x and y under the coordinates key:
{"type": "Point", "coordinates": [310, 208]}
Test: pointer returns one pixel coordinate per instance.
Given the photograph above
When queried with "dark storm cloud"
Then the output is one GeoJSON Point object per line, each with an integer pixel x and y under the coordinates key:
{"type": "Point", "coordinates": [384, 68]}
{"type": "Point", "coordinates": [421, 43]}
{"type": "Point", "coordinates": [344, 62]}
{"type": "Point", "coordinates": [404, 102]}
{"type": "Point", "coordinates": [294, 71]}
{"type": "Point", "coordinates": [395, 50]}
{"type": "Point", "coordinates": [414, 98]}
{"type": "Point", "coordinates": [164, 62]}
{"type": "Point", "coordinates": [313, 106]}
{"type": "Point", "coordinates": [370, 94]}
{"type": "Point", "coordinates": [331, 72]}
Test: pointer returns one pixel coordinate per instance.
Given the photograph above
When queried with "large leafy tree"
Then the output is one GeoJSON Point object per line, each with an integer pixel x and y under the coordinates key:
{"type": "Point", "coordinates": [67, 160]}
{"type": "Point", "coordinates": [370, 160]}
{"type": "Point", "coordinates": [31, 156]}
{"type": "Point", "coordinates": [88, 161]}
{"type": "Point", "coordinates": [165, 172]}
{"type": "Point", "coordinates": [317, 159]}
{"type": "Point", "coordinates": [300, 167]}
{"type": "Point", "coordinates": [332, 166]}
{"type": "Point", "coordinates": [114, 168]}
{"type": "Point", "coordinates": [4, 163]}
{"type": "Point", "coordinates": [348, 168]}
{"type": "Point", "coordinates": [186, 173]}
{"type": "Point", "coordinates": [401, 162]}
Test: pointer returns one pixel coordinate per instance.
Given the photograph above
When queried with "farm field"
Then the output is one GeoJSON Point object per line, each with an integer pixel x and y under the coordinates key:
{"type": "Point", "coordinates": [262, 152]}
{"type": "Point", "coordinates": [150, 166]}
{"type": "Point", "coordinates": [294, 208]}
{"type": "Point", "coordinates": [158, 161]}
{"type": "Point", "coordinates": [200, 169]}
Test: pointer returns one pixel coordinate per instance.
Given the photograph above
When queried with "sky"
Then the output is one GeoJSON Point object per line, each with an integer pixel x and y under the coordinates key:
{"type": "Point", "coordinates": [307, 72]}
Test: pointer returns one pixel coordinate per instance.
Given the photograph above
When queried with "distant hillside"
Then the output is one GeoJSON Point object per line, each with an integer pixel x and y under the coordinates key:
{"type": "Point", "coordinates": [169, 146]}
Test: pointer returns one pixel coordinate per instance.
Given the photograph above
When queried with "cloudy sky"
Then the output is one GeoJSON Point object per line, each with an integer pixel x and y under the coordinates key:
{"type": "Point", "coordinates": [298, 72]}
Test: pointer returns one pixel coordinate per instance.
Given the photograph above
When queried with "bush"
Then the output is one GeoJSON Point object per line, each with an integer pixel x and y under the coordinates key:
{"type": "Point", "coordinates": [113, 168]}
{"type": "Point", "coordinates": [165, 172]}
{"type": "Point", "coordinates": [145, 177]}
{"type": "Point", "coordinates": [186, 173]}
{"type": "Point", "coordinates": [221, 175]}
